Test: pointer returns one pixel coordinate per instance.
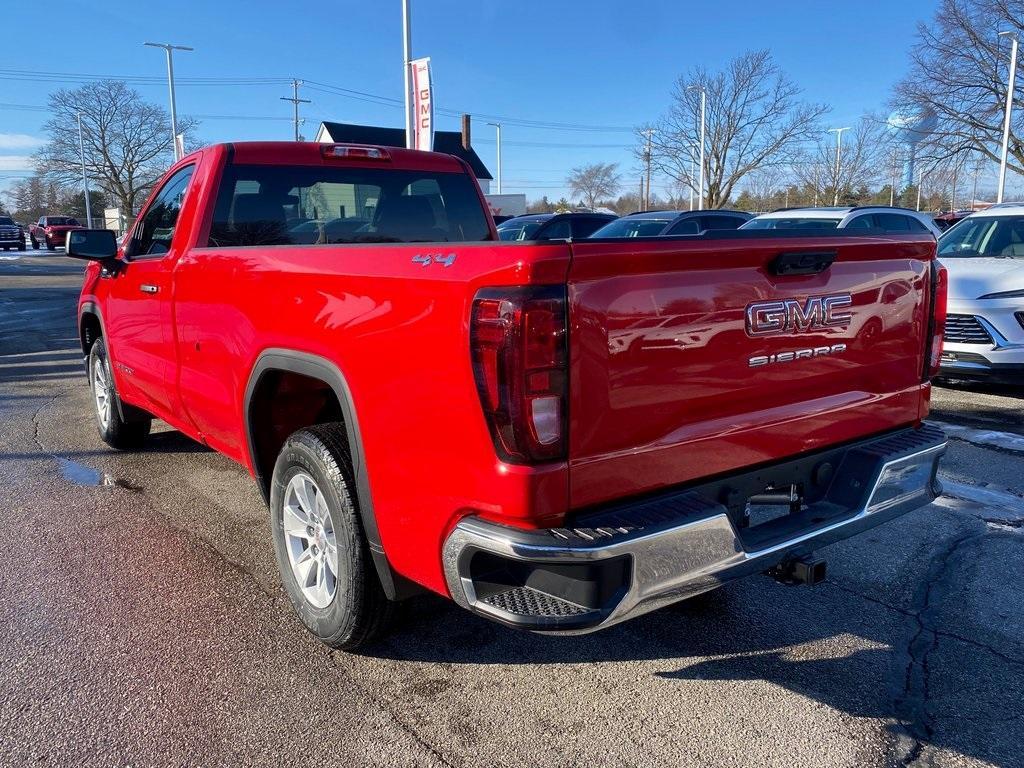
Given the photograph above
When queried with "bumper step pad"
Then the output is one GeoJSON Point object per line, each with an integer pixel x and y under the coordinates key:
{"type": "Point", "coordinates": [527, 601]}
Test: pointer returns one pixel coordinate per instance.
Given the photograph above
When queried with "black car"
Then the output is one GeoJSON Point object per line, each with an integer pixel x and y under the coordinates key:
{"type": "Point", "coordinates": [11, 234]}
{"type": "Point", "coordinates": [660, 223]}
{"type": "Point", "coordinates": [552, 226]}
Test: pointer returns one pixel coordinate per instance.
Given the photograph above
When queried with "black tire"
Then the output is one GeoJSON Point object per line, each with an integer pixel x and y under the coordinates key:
{"type": "Point", "coordinates": [359, 611]}
{"type": "Point", "coordinates": [123, 432]}
{"type": "Point", "coordinates": [35, 245]}
{"type": "Point", "coordinates": [50, 246]}
{"type": "Point", "coordinates": [22, 247]}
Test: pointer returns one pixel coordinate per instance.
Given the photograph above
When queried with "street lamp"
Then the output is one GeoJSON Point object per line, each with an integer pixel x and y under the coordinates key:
{"type": "Point", "coordinates": [169, 50]}
{"type": "Point", "coordinates": [85, 179]}
{"type": "Point", "coordinates": [703, 107]}
{"type": "Point", "coordinates": [406, 53]}
{"type": "Point", "coordinates": [497, 129]}
{"type": "Point", "coordinates": [1007, 112]}
{"type": "Point", "coordinates": [839, 148]}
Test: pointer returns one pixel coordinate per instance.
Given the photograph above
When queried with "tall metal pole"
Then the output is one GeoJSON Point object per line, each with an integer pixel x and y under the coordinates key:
{"type": "Point", "coordinates": [839, 151]}
{"type": "Point", "coordinates": [892, 186]}
{"type": "Point", "coordinates": [1007, 113]}
{"type": "Point", "coordinates": [703, 133]}
{"type": "Point", "coordinates": [693, 160]}
{"type": "Point", "coordinates": [85, 179]}
{"type": "Point", "coordinates": [169, 49]}
{"type": "Point", "coordinates": [406, 53]}
{"type": "Point", "coordinates": [295, 100]}
{"type": "Point", "coordinates": [920, 183]}
{"type": "Point", "coordinates": [647, 160]}
{"type": "Point", "coordinates": [497, 131]}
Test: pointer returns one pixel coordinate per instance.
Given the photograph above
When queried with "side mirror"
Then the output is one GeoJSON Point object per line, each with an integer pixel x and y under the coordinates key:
{"type": "Point", "coordinates": [93, 244]}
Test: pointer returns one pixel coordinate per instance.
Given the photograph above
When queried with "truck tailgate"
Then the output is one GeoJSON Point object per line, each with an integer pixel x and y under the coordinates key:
{"type": "Point", "coordinates": [698, 357]}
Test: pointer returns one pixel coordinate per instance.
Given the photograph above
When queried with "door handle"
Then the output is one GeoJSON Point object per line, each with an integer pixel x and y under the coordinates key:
{"type": "Point", "coordinates": [146, 288]}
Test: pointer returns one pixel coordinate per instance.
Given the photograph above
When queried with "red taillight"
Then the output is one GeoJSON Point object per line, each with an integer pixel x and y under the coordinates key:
{"type": "Point", "coordinates": [354, 151]}
{"type": "Point", "coordinates": [937, 323]}
{"type": "Point", "coordinates": [520, 361]}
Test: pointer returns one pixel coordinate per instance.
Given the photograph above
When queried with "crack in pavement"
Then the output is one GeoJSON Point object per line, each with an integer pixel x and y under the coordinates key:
{"type": "Point", "coordinates": [912, 703]}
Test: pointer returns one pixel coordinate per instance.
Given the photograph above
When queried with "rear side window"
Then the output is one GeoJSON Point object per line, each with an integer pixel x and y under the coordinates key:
{"type": "Point", "coordinates": [721, 222]}
{"type": "Point", "coordinates": [585, 227]}
{"type": "Point", "coordinates": [556, 230]}
{"type": "Point", "coordinates": [866, 221]}
{"type": "Point", "coordinates": [685, 227]}
{"type": "Point", "coordinates": [318, 205]}
{"type": "Point", "coordinates": [893, 222]}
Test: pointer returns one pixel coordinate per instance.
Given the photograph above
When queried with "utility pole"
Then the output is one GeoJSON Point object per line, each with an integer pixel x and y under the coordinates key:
{"type": "Point", "coordinates": [920, 183]}
{"type": "Point", "coordinates": [839, 150]}
{"type": "Point", "coordinates": [693, 160]}
{"type": "Point", "coordinates": [85, 179]}
{"type": "Point", "coordinates": [647, 159]}
{"type": "Point", "coordinates": [1007, 113]}
{"type": "Point", "coordinates": [406, 54]}
{"type": "Point", "coordinates": [703, 129]}
{"type": "Point", "coordinates": [295, 100]}
{"type": "Point", "coordinates": [497, 131]}
{"type": "Point", "coordinates": [952, 197]}
{"type": "Point", "coordinates": [169, 50]}
{"type": "Point", "coordinates": [892, 186]}
{"type": "Point", "coordinates": [642, 194]}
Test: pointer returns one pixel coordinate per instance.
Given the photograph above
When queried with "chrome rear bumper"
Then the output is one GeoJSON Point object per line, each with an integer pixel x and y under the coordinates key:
{"type": "Point", "coordinates": [619, 563]}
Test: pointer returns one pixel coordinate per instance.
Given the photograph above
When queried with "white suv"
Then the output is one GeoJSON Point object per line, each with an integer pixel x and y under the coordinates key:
{"type": "Point", "coordinates": [863, 217]}
{"type": "Point", "coordinates": [984, 255]}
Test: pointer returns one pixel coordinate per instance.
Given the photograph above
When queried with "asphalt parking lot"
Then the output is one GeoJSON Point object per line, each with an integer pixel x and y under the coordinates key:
{"type": "Point", "coordinates": [141, 620]}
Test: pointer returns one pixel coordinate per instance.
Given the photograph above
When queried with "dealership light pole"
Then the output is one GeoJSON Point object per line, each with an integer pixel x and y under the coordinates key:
{"type": "Point", "coordinates": [85, 179]}
{"type": "Point", "coordinates": [839, 149]}
{"type": "Point", "coordinates": [693, 160]}
{"type": "Point", "coordinates": [1007, 113]}
{"type": "Point", "coordinates": [406, 53]}
{"type": "Point", "coordinates": [920, 183]}
{"type": "Point", "coordinates": [703, 125]}
{"type": "Point", "coordinates": [646, 202]}
{"type": "Point", "coordinates": [169, 50]}
{"type": "Point", "coordinates": [497, 130]}
{"type": "Point", "coordinates": [295, 100]}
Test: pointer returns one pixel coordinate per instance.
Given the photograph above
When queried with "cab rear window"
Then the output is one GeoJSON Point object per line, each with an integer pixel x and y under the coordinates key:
{"type": "Point", "coordinates": [300, 205]}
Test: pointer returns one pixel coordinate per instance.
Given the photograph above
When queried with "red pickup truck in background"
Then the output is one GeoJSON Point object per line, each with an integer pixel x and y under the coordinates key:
{"type": "Point", "coordinates": [556, 435]}
{"type": "Point", "coordinates": [51, 231]}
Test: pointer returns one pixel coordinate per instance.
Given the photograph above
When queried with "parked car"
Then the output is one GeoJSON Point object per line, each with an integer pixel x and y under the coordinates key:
{"type": "Point", "coordinates": [984, 255]}
{"type": "Point", "coordinates": [946, 220]}
{"type": "Point", "coordinates": [51, 231]}
{"type": "Point", "coordinates": [661, 223]}
{"type": "Point", "coordinates": [552, 226]}
{"type": "Point", "coordinates": [11, 234]}
{"type": "Point", "coordinates": [879, 217]}
{"type": "Point", "coordinates": [425, 408]}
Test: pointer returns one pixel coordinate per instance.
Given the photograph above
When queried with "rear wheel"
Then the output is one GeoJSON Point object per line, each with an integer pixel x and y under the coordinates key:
{"type": "Point", "coordinates": [114, 429]}
{"type": "Point", "coordinates": [325, 562]}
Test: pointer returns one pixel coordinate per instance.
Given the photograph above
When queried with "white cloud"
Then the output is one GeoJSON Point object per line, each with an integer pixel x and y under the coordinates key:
{"type": "Point", "coordinates": [19, 141]}
{"type": "Point", "coordinates": [15, 163]}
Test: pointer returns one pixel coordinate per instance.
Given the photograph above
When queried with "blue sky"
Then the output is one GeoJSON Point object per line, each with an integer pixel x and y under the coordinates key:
{"type": "Point", "coordinates": [601, 63]}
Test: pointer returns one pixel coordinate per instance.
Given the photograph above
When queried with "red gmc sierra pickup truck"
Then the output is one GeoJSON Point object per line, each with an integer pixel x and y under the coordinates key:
{"type": "Point", "coordinates": [558, 436]}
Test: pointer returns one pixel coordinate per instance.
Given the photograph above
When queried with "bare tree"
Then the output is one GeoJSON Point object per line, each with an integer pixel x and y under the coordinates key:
{"type": "Point", "coordinates": [754, 119]}
{"type": "Point", "coordinates": [127, 146]}
{"type": "Point", "coordinates": [958, 70]}
{"type": "Point", "coordinates": [862, 161]}
{"type": "Point", "coordinates": [594, 182]}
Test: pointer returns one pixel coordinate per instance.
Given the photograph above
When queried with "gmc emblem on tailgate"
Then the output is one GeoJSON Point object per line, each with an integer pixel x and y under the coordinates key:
{"type": "Point", "coordinates": [767, 318]}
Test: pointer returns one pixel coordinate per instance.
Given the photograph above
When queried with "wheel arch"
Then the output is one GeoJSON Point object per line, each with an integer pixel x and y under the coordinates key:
{"type": "Point", "coordinates": [279, 360]}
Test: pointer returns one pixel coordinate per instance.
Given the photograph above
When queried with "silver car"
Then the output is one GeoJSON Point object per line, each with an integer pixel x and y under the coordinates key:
{"type": "Point", "coordinates": [984, 255]}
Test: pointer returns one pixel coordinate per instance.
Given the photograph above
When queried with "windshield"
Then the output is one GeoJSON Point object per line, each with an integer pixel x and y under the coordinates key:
{"type": "Point", "coordinates": [633, 228]}
{"type": "Point", "coordinates": [999, 237]}
{"type": "Point", "coordinates": [6, 221]}
{"type": "Point", "coordinates": [796, 222]}
{"type": "Point", "coordinates": [523, 230]}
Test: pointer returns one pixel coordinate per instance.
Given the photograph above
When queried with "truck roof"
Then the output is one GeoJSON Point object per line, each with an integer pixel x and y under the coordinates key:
{"type": "Point", "coordinates": [313, 153]}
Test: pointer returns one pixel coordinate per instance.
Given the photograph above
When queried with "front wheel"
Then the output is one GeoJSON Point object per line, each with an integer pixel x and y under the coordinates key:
{"type": "Point", "coordinates": [114, 429]}
{"type": "Point", "coordinates": [35, 245]}
{"type": "Point", "coordinates": [322, 552]}
{"type": "Point", "coordinates": [50, 246]}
